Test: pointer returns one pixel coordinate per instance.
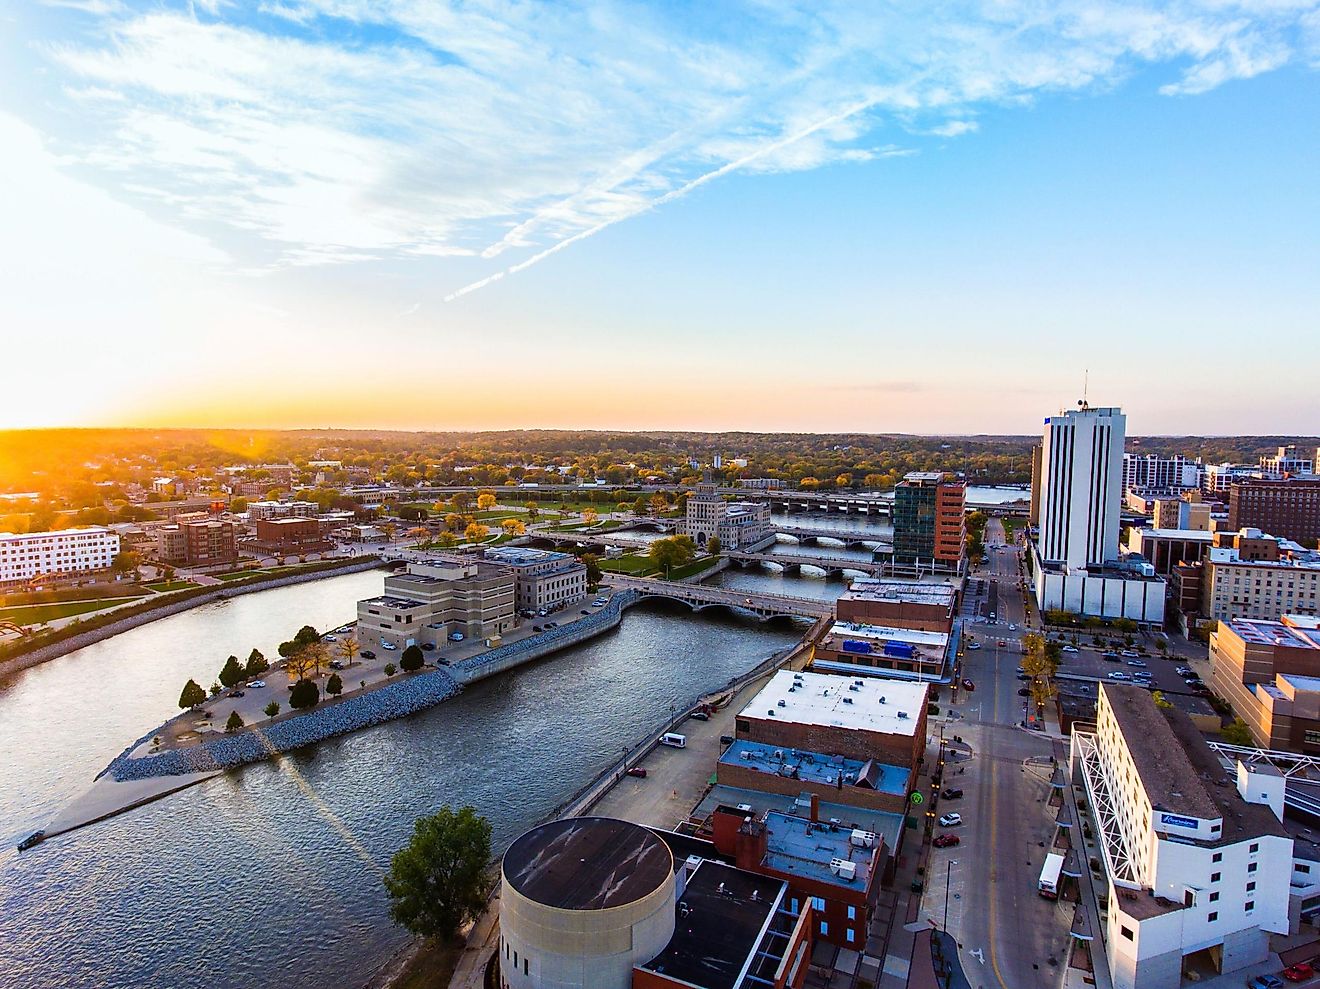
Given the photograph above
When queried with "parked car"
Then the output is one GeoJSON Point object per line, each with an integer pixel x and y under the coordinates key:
{"type": "Point", "coordinates": [1071, 649]}
{"type": "Point", "coordinates": [950, 820]}
{"type": "Point", "coordinates": [1265, 982]}
{"type": "Point", "coordinates": [946, 840]}
{"type": "Point", "coordinates": [388, 646]}
{"type": "Point", "coordinates": [367, 654]}
{"type": "Point", "coordinates": [967, 684]}
{"type": "Point", "coordinates": [1299, 972]}
{"type": "Point", "coordinates": [235, 693]}
{"type": "Point", "coordinates": [538, 628]}
{"type": "Point", "coordinates": [455, 636]}
{"type": "Point", "coordinates": [701, 715]}
{"type": "Point", "coordinates": [1024, 691]}
{"type": "Point", "coordinates": [975, 645]}
{"type": "Point", "coordinates": [951, 793]}
{"type": "Point", "coordinates": [1022, 669]}
{"type": "Point", "coordinates": [336, 664]}
{"type": "Point", "coordinates": [1183, 671]}
{"type": "Point", "coordinates": [1131, 652]}
{"type": "Point", "coordinates": [638, 771]}
{"type": "Point", "coordinates": [1112, 657]}
{"type": "Point", "coordinates": [1117, 675]}
{"type": "Point", "coordinates": [551, 624]}
{"type": "Point", "coordinates": [585, 611]}
{"type": "Point", "coordinates": [1139, 663]}
{"type": "Point", "coordinates": [256, 684]}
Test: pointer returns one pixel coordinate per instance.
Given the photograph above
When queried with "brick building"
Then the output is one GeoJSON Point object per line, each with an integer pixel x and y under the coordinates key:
{"type": "Point", "coordinates": [1287, 507]}
{"type": "Point", "coordinates": [930, 607]}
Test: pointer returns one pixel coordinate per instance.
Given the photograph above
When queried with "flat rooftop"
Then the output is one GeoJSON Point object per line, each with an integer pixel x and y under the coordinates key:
{"type": "Point", "coordinates": [1300, 682]}
{"type": "Point", "coordinates": [815, 767]}
{"type": "Point", "coordinates": [900, 591]}
{"type": "Point", "coordinates": [887, 633]}
{"type": "Point", "coordinates": [387, 601]}
{"type": "Point", "coordinates": [719, 923]}
{"type": "Point", "coordinates": [1191, 535]}
{"type": "Point", "coordinates": [1270, 633]}
{"type": "Point", "coordinates": [517, 556]}
{"type": "Point", "coordinates": [800, 848]}
{"type": "Point", "coordinates": [588, 863]}
{"type": "Point", "coordinates": [893, 707]}
{"type": "Point", "coordinates": [883, 823]}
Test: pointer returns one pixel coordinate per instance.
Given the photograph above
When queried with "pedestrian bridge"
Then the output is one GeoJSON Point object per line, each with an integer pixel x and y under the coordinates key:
{"type": "Point", "coordinates": [699, 597]}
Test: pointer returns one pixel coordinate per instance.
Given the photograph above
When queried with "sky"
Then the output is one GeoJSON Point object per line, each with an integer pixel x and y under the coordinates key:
{"type": "Point", "coordinates": [927, 217]}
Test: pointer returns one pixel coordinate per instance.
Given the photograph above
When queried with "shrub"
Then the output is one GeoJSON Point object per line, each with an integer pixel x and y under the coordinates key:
{"type": "Point", "coordinates": [305, 694]}
{"type": "Point", "coordinates": [334, 686]}
{"type": "Point", "coordinates": [390, 669]}
{"type": "Point", "coordinates": [272, 709]}
{"type": "Point", "coordinates": [412, 659]}
{"type": "Point", "coordinates": [234, 723]}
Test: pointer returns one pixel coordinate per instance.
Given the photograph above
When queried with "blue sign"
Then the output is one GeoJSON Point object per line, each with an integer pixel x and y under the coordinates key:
{"type": "Point", "coordinates": [1190, 823]}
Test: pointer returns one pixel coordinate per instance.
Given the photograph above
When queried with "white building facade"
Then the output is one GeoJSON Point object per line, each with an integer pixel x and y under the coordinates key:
{"type": "Point", "coordinates": [740, 525]}
{"type": "Point", "coordinates": [1160, 473]}
{"type": "Point", "coordinates": [1198, 864]}
{"type": "Point", "coordinates": [1076, 563]}
{"type": "Point", "coordinates": [26, 555]}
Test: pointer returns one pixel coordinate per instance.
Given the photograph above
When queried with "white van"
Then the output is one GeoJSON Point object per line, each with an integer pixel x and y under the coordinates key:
{"type": "Point", "coordinates": [674, 739]}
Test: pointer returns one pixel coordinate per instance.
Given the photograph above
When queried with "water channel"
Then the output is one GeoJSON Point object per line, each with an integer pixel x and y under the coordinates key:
{"type": "Point", "coordinates": [272, 874]}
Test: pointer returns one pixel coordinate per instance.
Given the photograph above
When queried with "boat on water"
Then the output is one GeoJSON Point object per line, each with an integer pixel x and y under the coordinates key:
{"type": "Point", "coordinates": [35, 838]}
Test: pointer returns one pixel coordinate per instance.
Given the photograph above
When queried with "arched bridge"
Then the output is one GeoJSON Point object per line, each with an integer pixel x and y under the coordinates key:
{"type": "Point", "coordinates": [792, 562]}
{"type": "Point", "coordinates": [700, 597]}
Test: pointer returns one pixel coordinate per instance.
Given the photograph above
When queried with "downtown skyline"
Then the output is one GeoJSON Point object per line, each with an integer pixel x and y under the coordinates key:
{"type": "Point", "coordinates": [336, 214]}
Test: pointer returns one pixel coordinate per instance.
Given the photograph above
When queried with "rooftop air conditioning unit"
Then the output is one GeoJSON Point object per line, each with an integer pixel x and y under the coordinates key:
{"type": "Point", "coordinates": [744, 755]}
{"type": "Point", "coordinates": [902, 715]}
{"type": "Point", "coordinates": [847, 700]}
{"type": "Point", "coordinates": [771, 712]}
{"type": "Point", "coordinates": [845, 870]}
{"type": "Point", "coordinates": [852, 687]}
{"type": "Point", "coordinates": [882, 698]}
{"type": "Point", "coordinates": [782, 703]}
{"type": "Point", "coordinates": [862, 839]}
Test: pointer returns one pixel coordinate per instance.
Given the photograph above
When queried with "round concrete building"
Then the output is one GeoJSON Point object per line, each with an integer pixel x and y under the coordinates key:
{"type": "Point", "coordinates": [584, 900]}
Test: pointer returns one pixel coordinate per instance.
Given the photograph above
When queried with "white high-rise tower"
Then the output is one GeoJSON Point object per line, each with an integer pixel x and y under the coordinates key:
{"type": "Point", "coordinates": [1081, 487]}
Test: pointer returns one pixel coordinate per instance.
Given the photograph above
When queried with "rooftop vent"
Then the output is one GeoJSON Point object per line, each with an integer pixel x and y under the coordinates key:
{"type": "Point", "coordinates": [902, 715]}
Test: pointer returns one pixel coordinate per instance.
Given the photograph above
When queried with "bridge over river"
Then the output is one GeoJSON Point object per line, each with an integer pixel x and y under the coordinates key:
{"type": "Point", "coordinates": [794, 563]}
{"type": "Point", "coordinates": [701, 596]}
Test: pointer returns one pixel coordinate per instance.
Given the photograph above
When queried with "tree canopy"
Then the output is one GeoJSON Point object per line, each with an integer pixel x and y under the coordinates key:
{"type": "Point", "coordinates": [674, 551]}
{"type": "Point", "coordinates": [438, 881]}
{"type": "Point", "coordinates": [305, 694]}
{"type": "Point", "coordinates": [233, 672]}
{"type": "Point", "coordinates": [412, 659]}
{"type": "Point", "coordinates": [192, 695]}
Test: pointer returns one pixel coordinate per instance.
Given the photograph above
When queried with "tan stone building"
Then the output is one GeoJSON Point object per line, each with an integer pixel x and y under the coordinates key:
{"type": "Point", "coordinates": [1269, 671]}
{"type": "Point", "coordinates": [433, 600]}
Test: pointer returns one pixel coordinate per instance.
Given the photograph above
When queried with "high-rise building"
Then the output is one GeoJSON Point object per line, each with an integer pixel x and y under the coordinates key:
{"type": "Point", "coordinates": [1075, 558]}
{"type": "Point", "coordinates": [1082, 464]}
{"type": "Point", "coordinates": [26, 555]}
{"type": "Point", "coordinates": [929, 526]}
{"type": "Point", "coordinates": [1162, 473]}
{"type": "Point", "coordinates": [1286, 461]}
{"type": "Point", "coordinates": [1287, 507]}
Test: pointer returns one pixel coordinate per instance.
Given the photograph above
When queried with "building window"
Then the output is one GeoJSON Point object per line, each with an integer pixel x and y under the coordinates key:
{"type": "Point", "coordinates": [1127, 932]}
{"type": "Point", "coordinates": [1214, 897]}
{"type": "Point", "coordinates": [1254, 847]}
{"type": "Point", "coordinates": [824, 929]}
{"type": "Point", "coordinates": [1217, 857]}
{"type": "Point", "coordinates": [1251, 905]}
{"type": "Point", "coordinates": [1303, 869]}
{"type": "Point", "coordinates": [1214, 915]}
{"type": "Point", "coordinates": [1251, 887]}
{"type": "Point", "coordinates": [818, 903]}
{"type": "Point", "coordinates": [850, 936]}
{"type": "Point", "coordinates": [1214, 877]}
{"type": "Point", "coordinates": [1251, 866]}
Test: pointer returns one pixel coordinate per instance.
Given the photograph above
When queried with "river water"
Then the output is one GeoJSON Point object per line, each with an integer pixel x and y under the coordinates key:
{"type": "Point", "coordinates": [271, 874]}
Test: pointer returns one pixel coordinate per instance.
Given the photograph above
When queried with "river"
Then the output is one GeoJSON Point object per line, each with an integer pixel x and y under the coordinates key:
{"type": "Point", "coordinates": [272, 874]}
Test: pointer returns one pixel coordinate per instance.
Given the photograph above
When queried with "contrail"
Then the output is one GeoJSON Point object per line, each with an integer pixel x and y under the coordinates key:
{"type": "Point", "coordinates": [673, 194]}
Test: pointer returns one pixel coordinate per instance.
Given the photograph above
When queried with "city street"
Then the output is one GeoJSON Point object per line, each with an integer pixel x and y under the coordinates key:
{"type": "Point", "coordinates": [1008, 935]}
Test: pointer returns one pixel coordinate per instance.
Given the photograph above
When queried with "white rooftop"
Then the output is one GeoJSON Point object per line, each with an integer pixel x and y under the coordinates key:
{"type": "Point", "coordinates": [841, 702]}
{"type": "Point", "coordinates": [1200, 535]}
{"type": "Point", "coordinates": [856, 630]}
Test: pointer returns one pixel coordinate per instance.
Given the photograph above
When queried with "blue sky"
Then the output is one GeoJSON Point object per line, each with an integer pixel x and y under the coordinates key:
{"type": "Point", "coordinates": [765, 216]}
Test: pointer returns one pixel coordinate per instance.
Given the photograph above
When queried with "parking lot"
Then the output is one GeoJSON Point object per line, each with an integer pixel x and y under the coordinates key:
{"type": "Point", "coordinates": [1089, 662]}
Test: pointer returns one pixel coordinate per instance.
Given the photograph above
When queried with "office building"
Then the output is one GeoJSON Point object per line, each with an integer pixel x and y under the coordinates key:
{"type": "Point", "coordinates": [930, 530]}
{"type": "Point", "coordinates": [870, 783]}
{"type": "Point", "coordinates": [925, 605]}
{"type": "Point", "coordinates": [1219, 478]}
{"type": "Point", "coordinates": [287, 536]}
{"type": "Point", "coordinates": [1179, 513]}
{"type": "Point", "coordinates": [1197, 863]}
{"type": "Point", "coordinates": [1162, 473]}
{"type": "Point", "coordinates": [27, 555]}
{"type": "Point", "coordinates": [1269, 672]}
{"type": "Point", "coordinates": [432, 600]}
{"type": "Point", "coordinates": [1286, 461]}
{"type": "Point", "coordinates": [740, 525]}
{"type": "Point", "coordinates": [196, 539]}
{"type": "Point", "coordinates": [1075, 559]}
{"type": "Point", "coordinates": [1249, 574]}
{"type": "Point", "coordinates": [1164, 549]}
{"type": "Point", "coordinates": [545, 580]}
{"type": "Point", "coordinates": [281, 510]}
{"type": "Point", "coordinates": [1288, 507]}
{"type": "Point", "coordinates": [855, 717]}
{"type": "Point", "coordinates": [763, 483]}
{"type": "Point", "coordinates": [860, 649]}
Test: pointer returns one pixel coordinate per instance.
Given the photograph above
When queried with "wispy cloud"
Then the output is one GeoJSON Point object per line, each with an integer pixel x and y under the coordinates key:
{"type": "Point", "coordinates": [325, 131]}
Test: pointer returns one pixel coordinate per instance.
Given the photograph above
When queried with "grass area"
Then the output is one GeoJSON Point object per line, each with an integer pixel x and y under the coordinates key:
{"type": "Point", "coordinates": [239, 574]}
{"type": "Point", "coordinates": [696, 566]}
{"type": "Point", "coordinates": [1010, 526]}
{"type": "Point", "coordinates": [165, 586]}
{"type": "Point", "coordinates": [431, 968]}
{"type": "Point", "coordinates": [641, 566]}
{"type": "Point", "coordinates": [33, 614]}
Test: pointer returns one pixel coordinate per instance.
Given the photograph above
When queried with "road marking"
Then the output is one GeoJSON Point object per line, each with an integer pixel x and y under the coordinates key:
{"type": "Point", "coordinates": [978, 954]}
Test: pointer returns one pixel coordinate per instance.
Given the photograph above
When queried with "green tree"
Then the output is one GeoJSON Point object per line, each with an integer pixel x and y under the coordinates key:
{"type": "Point", "coordinates": [532, 510]}
{"type": "Point", "coordinates": [234, 723]}
{"type": "Point", "coordinates": [334, 686]}
{"type": "Point", "coordinates": [713, 547]}
{"type": "Point", "coordinates": [306, 636]}
{"type": "Point", "coordinates": [305, 694]}
{"type": "Point", "coordinates": [192, 695]}
{"type": "Point", "coordinates": [232, 673]}
{"type": "Point", "coordinates": [272, 709]}
{"type": "Point", "coordinates": [390, 669]}
{"type": "Point", "coordinates": [438, 882]}
{"type": "Point", "coordinates": [412, 659]}
{"type": "Point", "coordinates": [592, 562]}
{"type": "Point", "coordinates": [256, 663]}
{"type": "Point", "coordinates": [672, 552]}
{"type": "Point", "coordinates": [1237, 733]}
{"type": "Point", "coordinates": [639, 506]}
{"type": "Point", "coordinates": [216, 689]}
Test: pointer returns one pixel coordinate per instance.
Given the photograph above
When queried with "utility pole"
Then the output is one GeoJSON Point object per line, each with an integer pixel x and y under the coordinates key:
{"type": "Point", "coordinates": [948, 875]}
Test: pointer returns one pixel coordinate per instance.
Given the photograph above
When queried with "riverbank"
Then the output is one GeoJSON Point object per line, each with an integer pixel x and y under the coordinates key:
{"type": "Point", "coordinates": [20, 656]}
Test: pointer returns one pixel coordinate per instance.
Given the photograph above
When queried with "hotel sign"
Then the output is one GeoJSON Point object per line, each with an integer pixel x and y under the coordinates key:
{"type": "Point", "coordinates": [1191, 823]}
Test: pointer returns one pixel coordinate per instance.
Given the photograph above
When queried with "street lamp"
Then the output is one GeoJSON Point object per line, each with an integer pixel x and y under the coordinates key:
{"type": "Point", "coordinates": [948, 874]}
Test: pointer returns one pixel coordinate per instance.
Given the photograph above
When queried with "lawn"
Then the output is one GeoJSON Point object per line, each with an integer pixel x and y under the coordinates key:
{"type": "Point", "coordinates": [1010, 526]}
{"type": "Point", "coordinates": [165, 586]}
{"type": "Point", "coordinates": [34, 613]}
{"type": "Point", "coordinates": [641, 566]}
{"type": "Point", "coordinates": [239, 574]}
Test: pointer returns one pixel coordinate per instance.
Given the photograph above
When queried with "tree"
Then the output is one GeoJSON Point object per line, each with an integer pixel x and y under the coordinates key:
{"type": "Point", "coordinates": [216, 689]}
{"type": "Point", "coordinates": [532, 510]}
{"type": "Point", "coordinates": [192, 695]}
{"type": "Point", "coordinates": [454, 522]}
{"type": "Point", "coordinates": [485, 501]}
{"type": "Point", "coordinates": [513, 527]}
{"type": "Point", "coordinates": [412, 659]}
{"type": "Point", "coordinates": [672, 552]}
{"type": "Point", "coordinates": [1160, 700]}
{"type": "Point", "coordinates": [1237, 733]}
{"type": "Point", "coordinates": [297, 663]}
{"type": "Point", "coordinates": [623, 508]}
{"type": "Point", "coordinates": [463, 500]}
{"type": "Point", "coordinates": [713, 547]}
{"type": "Point", "coordinates": [256, 664]}
{"type": "Point", "coordinates": [125, 561]}
{"type": "Point", "coordinates": [639, 506]}
{"type": "Point", "coordinates": [234, 723]}
{"type": "Point", "coordinates": [658, 503]}
{"type": "Point", "coordinates": [590, 517]}
{"type": "Point", "coordinates": [439, 882]}
{"type": "Point", "coordinates": [390, 669]}
{"type": "Point", "coordinates": [348, 645]}
{"type": "Point", "coordinates": [447, 540]}
{"type": "Point", "coordinates": [334, 686]}
{"type": "Point", "coordinates": [233, 672]}
{"type": "Point", "coordinates": [476, 532]}
{"type": "Point", "coordinates": [592, 562]}
{"type": "Point", "coordinates": [305, 694]}
{"type": "Point", "coordinates": [306, 636]}
{"type": "Point", "coordinates": [272, 709]}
